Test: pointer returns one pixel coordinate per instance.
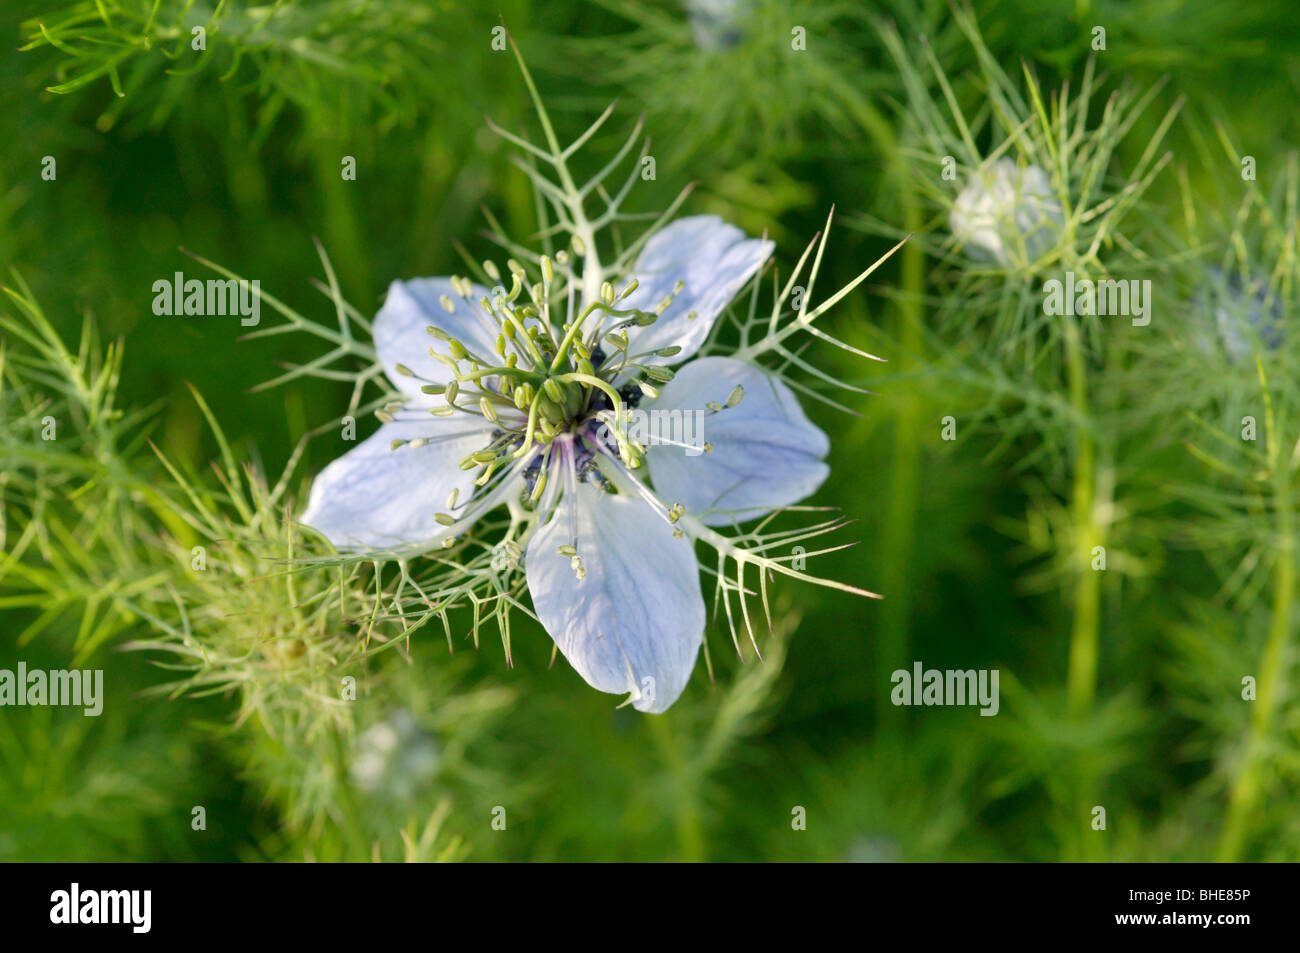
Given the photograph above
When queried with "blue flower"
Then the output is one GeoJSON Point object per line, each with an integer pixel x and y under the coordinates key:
{"type": "Point", "coordinates": [522, 398]}
{"type": "Point", "coordinates": [716, 24]}
{"type": "Point", "coordinates": [1240, 318]}
{"type": "Point", "coordinates": [1001, 207]}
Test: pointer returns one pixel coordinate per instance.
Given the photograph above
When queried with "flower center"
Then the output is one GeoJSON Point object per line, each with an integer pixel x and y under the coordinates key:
{"type": "Point", "coordinates": [544, 377]}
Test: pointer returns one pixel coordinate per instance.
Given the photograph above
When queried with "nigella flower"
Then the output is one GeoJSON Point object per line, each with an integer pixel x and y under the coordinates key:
{"type": "Point", "coordinates": [1244, 312]}
{"type": "Point", "coordinates": [522, 397]}
{"type": "Point", "coordinates": [395, 757]}
{"type": "Point", "coordinates": [715, 24]}
{"type": "Point", "coordinates": [1007, 214]}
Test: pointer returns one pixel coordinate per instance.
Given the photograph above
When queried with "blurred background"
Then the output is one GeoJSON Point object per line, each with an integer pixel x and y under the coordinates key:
{"type": "Point", "coordinates": [234, 153]}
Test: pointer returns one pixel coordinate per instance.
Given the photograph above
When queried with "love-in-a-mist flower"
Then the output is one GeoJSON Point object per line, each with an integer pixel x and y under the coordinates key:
{"type": "Point", "coordinates": [717, 24]}
{"type": "Point", "coordinates": [522, 397]}
{"type": "Point", "coordinates": [1246, 314]}
{"type": "Point", "coordinates": [395, 757]}
{"type": "Point", "coordinates": [1007, 214]}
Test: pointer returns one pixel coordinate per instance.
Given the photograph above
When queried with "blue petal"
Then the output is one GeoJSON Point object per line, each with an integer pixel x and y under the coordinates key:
{"type": "Point", "coordinates": [376, 497]}
{"type": "Point", "coordinates": [712, 259]}
{"type": "Point", "coordinates": [766, 452]}
{"type": "Point", "coordinates": [634, 623]}
{"type": "Point", "coordinates": [401, 335]}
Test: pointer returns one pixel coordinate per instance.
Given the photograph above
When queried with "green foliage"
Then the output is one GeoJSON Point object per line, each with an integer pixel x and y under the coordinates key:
{"type": "Point", "coordinates": [407, 706]}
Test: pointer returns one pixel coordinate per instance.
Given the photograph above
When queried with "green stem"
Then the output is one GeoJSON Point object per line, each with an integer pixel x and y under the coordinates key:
{"type": "Point", "coordinates": [686, 814]}
{"type": "Point", "coordinates": [1081, 678]}
{"type": "Point", "coordinates": [1081, 683]}
{"type": "Point", "coordinates": [1244, 794]}
{"type": "Point", "coordinates": [900, 521]}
